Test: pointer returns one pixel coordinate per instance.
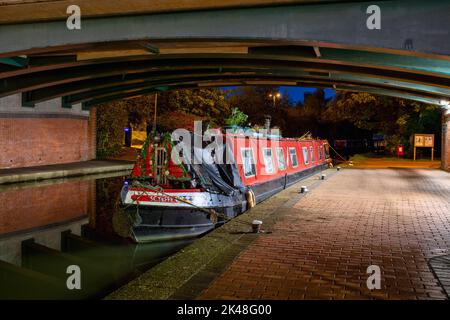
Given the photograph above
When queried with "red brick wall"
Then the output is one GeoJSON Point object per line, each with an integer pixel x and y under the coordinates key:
{"type": "Point", "coordinates": [28, 142]}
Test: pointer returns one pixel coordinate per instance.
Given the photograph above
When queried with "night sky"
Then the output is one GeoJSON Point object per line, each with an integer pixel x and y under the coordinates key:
{"type": "Point", "coordinates": [297, 93]}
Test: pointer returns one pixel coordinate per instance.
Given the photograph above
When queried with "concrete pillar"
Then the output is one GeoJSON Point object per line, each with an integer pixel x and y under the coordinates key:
{"type": "Point", "coordinates": [445, 157]}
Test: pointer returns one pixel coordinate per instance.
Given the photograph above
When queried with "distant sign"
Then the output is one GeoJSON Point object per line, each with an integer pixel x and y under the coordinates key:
{"type": "Point", "coordinates": [424, 140]}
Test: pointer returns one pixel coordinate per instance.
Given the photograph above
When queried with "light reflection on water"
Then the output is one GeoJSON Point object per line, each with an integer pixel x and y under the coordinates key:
{"type": "Point", "coordinates": [71, 222]}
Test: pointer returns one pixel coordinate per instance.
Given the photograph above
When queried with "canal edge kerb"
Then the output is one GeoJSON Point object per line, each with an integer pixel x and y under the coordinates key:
{"type": "Point", "coordinates": [189, 272]}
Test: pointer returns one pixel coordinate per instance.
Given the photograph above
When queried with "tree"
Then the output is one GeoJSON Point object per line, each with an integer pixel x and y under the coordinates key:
{"type": "Point", "coordinates": [172, 120]}
{"type": "Point", "coordinates": [314, 104]}
{"type": "Point", "coordinates": [362, 109]}
{"type": "Point", "coordinates": [307, 116]}
{"type": "Point", "coordinates": [111, 121]}
{"type": "Point", "coordinates": [395, 118]}
{"type": "Point", "coordinates": [175, 109]}
{"type": "Point", "coordinates": [140, 110]}
{"type": "Point", "coordinates": [257, 103]}
{"type": "Point", "coordinates": [237, 118]}
{"type": "Point", "coordinates": [208, 104]}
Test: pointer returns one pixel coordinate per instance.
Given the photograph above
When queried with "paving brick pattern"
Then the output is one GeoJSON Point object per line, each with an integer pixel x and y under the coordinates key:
{"type": "Point", "coordinates": [321, 247]}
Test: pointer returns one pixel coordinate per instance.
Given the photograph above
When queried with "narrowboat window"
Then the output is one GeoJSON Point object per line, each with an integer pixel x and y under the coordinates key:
{"type": "Point", "coordinates": [305, 155]}
{"type": "Point", "coordinates": [311, 150]}
{"type": "Point", "coordinates": [320, 151]}
{"type": "Point", "coordinates": [268, 160]}
{"type": "Point", "coordinates": [248, 162]}
{"type": "Point", "coordinates": [293, 154]}
{"type": "Point", "coordinates": [281, 159]}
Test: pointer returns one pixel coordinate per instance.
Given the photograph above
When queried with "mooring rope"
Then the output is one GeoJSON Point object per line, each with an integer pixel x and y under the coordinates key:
{"type": "Point", "coordinates": [345, 160]}
{"type": "Point", "coordinates": [159, 191]}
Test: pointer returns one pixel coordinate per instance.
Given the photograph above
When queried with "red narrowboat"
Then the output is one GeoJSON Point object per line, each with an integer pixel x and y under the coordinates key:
{"type": "Point", "coordinates": [179, 192]}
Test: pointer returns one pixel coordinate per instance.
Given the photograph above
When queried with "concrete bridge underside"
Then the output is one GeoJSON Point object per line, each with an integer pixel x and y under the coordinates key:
{"type": "Point", "coordinates": [170, 45]}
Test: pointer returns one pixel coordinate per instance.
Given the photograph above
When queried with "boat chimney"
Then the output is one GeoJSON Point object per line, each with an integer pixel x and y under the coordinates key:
{"type": "Point", "coordinates": [267, 118]}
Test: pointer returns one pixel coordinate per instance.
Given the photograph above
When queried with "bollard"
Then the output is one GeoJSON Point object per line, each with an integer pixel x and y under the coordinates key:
{"type": "Point", "coordinates": [322, 177]}
{"type": "Point", "coordinates": [256, 226]}
{"type": "Point", "coordinates": [303, 189]}
{"type": "Point", "coordinates": [338, 168]}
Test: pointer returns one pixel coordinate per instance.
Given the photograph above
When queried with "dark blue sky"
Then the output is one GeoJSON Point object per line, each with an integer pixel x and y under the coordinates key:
{"type": "Point", "coordinates": [297, 93]}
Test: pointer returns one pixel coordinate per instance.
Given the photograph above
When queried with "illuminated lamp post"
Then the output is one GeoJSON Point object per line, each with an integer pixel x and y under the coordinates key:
{"type": "Point", "coordinates": [274, 97]}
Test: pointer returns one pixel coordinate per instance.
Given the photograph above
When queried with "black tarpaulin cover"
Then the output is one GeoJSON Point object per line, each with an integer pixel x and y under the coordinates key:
{"type": "Point", "coordinates": [215, 173]}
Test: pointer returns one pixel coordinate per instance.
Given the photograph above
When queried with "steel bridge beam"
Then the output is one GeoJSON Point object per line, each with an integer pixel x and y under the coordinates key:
{"type": "Point", "coordinates": [406, 25]}
{"type": "Point", "coordinates": [51, 78]}
{"type": "Point", "coordinates": [92, 86]}
{"type": "Point", "coordinates": [240, 79]}
{"type": "Point", "coordinates": [318, 84]}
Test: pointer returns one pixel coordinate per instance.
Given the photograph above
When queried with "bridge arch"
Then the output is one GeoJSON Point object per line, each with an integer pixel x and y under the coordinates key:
{"type": "Point", "coordinates": [304, 43]}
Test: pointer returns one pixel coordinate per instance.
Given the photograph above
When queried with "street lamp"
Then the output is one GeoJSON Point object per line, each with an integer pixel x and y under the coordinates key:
{"type": "Point", "coordinates": [274, 97]}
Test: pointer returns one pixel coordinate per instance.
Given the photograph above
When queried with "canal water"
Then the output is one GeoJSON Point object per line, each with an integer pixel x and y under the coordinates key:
{"type": "Point", "coordinates": [53, 231]}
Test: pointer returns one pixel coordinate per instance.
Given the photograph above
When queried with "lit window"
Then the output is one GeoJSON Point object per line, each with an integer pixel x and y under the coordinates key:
{"type": "Point", "coordinates": [311, 151]}
{"type": "Point", "coordinates": [293, 154]}
{"type": "Point", "coordinates": [248, 162]}
{"type": "Point", "coordinates": [305, 155]}
{"type": "Point", "coordinates": [320, 151]}
{"type": "Point", "coordinates": [281, 159]}
{"type": "Point", "coordinates": [268, 160]}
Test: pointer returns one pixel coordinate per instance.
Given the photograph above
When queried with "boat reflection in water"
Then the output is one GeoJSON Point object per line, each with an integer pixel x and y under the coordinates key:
{"type": "Point", "coordinates": [47, 227]}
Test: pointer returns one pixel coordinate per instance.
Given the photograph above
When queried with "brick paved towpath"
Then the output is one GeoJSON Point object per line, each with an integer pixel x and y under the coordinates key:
{"type": "Point", "coordinates": [322, 244]}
